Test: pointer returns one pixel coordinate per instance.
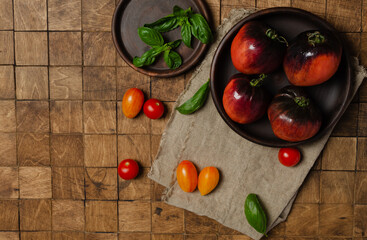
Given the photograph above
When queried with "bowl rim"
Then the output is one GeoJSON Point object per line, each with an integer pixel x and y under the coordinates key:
{"type": "Point", "coordinates": [197, 56]}
{"type": "Point", "coordinates": [235, 29]}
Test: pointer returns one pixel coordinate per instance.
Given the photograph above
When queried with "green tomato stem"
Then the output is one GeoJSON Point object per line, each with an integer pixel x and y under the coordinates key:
{"type": "Point", "coordinates": [315, 38]}
{"type": "Point", "coordinates": [302, 101]}
{"type": "Point", "coordinates": [257, 82]}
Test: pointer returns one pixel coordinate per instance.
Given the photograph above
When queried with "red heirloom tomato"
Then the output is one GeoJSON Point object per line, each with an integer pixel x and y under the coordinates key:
{"type": "Point", "coordinates": [132, 102]}
{"type": "Point", "coordinates": [257, 49]}
{"type": "Point", "coordinates": [187, 176]}
{"type": "Point", "coordinates": [293, 116]}
{"type": "Point", "coordinates": [289, 157]}
{"type": "Point", "coordinates": [312, 58]}
{"type": "Point", "coordinates": [153, 108]}
{"type": "Point", "coordinates": [128, 169]}
{"type": "Point", "coordinates": [244, 100]}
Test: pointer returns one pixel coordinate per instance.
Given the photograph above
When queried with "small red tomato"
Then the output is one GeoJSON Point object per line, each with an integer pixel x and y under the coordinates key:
{"type": "Point", "coordinates": [153, 108]}
{"type": "Point", "coordinates": [128, 169]}
{"type": "Point", "coordinates": [187, 176]}
{"type": "Point", "coordinates": [132, 102]}
{"type": "Point", "coordinates": [289, 157]}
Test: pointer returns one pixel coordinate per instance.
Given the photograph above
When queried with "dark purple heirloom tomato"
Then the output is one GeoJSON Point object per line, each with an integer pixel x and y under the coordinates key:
{"type": "Point", "coordinates": [293, 116]}
{"type": "Point", "coordinates": [312, 58]}
{"type": "Point", "coordinates": [244, 100]}
{"type": "Point", "coordinates": [257, 49]}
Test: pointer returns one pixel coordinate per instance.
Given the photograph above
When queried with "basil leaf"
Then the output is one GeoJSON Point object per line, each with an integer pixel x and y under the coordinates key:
{"type": "Point", "coordinates": [186, 34]}
{"type": "Point", "coordinates": [175, 58]}
{"type": "Point", "coordinates": [196, 102]}
{"type": "Point", "coordinates": [200, 28]}
{"type": "Point", "coordinates": [148, 57]}
{"type": "Point", "coordinates": [255, 215]}
{"type": "Point", "coordinates": [167, 59]}
{"type": "Point", "coordinates": [174, 44]}
{"type": "Point", "coordinates": [164, 24]}
{"type": "Point", "coordinates": [150, 36]}
{"type": "Point", "coordinates": [177, 11]}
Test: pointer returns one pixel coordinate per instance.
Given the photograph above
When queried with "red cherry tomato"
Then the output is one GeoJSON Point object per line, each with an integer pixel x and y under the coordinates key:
{"type": "Point", "coordinates": [153, 108]}
{"type": "Point", "coordinates": [289, 157]}
{"type": "Point", "coordinates": [128, 169]}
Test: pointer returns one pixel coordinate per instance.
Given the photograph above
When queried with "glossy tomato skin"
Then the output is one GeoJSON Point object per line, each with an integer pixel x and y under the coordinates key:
{"type": "Point", "coordinates": [132, 102]}
{"type": "Point", "coordinates": [208, 180]}
{"type": "Point", "coordinates": [187, 176]}
{"type": "Point", "coordinates": [153, 108]}
{"type": "Point", "coordinates": [253, 52]}
{"type": "Point", "coordinates": [242, 102]}
{"type": "Point", "coordinates": [307, 64]}
{"type": "Point", "coordinates": [289, 120]}
{"type": "Point", "coordinates": [128, 169]}
{"type": "Point", "coordinates": [289, 157]}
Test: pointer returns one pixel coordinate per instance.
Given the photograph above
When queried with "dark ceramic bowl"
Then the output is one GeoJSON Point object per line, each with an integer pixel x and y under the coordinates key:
{"type": "Point", "coordinates": [131, 14]}
{"type": "Point", "coordinates": [331, 96]}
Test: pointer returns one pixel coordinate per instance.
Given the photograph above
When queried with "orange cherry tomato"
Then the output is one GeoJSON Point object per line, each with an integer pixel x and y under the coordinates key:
{"type": "Point", "coordinates": [208, 180]}
{"type": "Point", "coordinates": [132, 102]}
{"type": "Point", "coordinates": [187, 176]}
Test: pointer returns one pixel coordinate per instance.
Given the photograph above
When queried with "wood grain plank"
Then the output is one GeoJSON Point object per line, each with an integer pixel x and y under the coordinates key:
{"type": "Point", "coordinates": [9, 220]}
{"type": "Point", "coordinates": [337, 187]}
{"type": "Point", "coordinates": [99, 83]}
{"type": "Point", "coordinates": [167, 218]}
{"type": "Point", "coordinates": [214, 9]}
{"type": "Point", "coordinates": [167, 237]}
{"type": "Point", "coordinates": [100, 151]}
{"type": "Point", "coordinates": [35, 235]}
{"type": "Point", "coordinates": [8, 149]}
{"type": "Point", "coordinates": [64, 14]}
{"type": "Point", "coordinates": [306, 215]}
{"type": "Point", "coordinates": [68, 183]}
{"type": "Point", "coordinates": [362, 120]}
{"type": "Point", "coordinates": [336, 220]}
{"type": "Point", "coordinates": [134, 216]}
{"type": "Point", "coordinates": [65, 48]}
{"type": "Point", "coordinates": [32, 82]}
{"type": "Point", "coordinates": [9, 187]}
{"type": "Point", "coordinates": [7, 82]}
{"type": "Point", "coordinates": [99, 117]}
{"type": "Point", "coordinates": [67, 215]}
{"type": "Point", "coordinates": [33, 116]}
{"type": "Point", "coordinates": [360, 226]}
{"type": "Point", "coordinates": [339, 154]}
{"type": "Point", "coordinates": [31, 48]}
{"type": "Point", "coordinates": [67, 236]}
{"type": "Point", "coordinates": [158, 125]}
{"type": "Point", "coordinates": [97, 14]}
{"type": "Point", "coordinates": [317, 7]}
{"type": "Point", "coordinates": [101, 183]}
{"type": "Point", "coordinates": [348, 124]}
{"type": "Point", "coordinates": [9, 236]}
{"type": "Point", "coordinates": [101, 236]}
{"type": "Point", "coordinates": [200, 237]}
{"type": "Point", "coordinates": [33, 149]}
{"type": "Point", "coordinates": [98, 49]}
{"type": "Point", "coordinates": [35, 182]}
{"type": "Point", "coordinates": [362, 153]}
{"type": "Point", "coordinates": [138, 125]}
{"type": "Point", "coordinates": [137, 189]}
{"type": "Point", "coordinates": [7, 116]}
{"type": "Point", "coordinates": [67, 150]}
{"type": "Point", "coordinates": [66, 117]}
{"type": "Point", "coordinates": [101, 216]}
{"type": "Point", "coordinates": [361, 188]}
{"type": "Point", "coordinates": [345, 15]}
{"type": "Point", "coordinates": [31, 213]}
{"type": "Point", "coordinates": [273, 3]}
{"type": "Point", "coordinates": [66, 82]}
{"type": "Point", "coordinates": [6, 47]}
{"type": "Point", "coordinates": [128, 78]}
{"type": "Point", "coordinates": [6, 16]}
{"type": "Point", "coordinates": [310, 190]}
{"type": "Point", "coordinates": [30, 15]}
{"type": "Point", "coordinates": [200, 224]}
{"type": "Point", "coordinates": [135, 147]}
{"type": "Point", "coordinates": [167, 89]}
{"type": "Point", "coordinates": [134, 236]}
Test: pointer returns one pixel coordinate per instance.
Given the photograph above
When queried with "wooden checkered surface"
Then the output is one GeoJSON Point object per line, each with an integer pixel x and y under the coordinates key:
{"type": "Point", "coordinates": [62, 133]}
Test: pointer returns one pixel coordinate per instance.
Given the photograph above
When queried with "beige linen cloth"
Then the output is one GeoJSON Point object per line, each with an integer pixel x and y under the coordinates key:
{"type": "Point", "coordinates": [245, 167]}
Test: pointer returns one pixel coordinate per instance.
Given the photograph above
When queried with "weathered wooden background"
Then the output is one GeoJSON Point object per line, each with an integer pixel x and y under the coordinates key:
{"type": "Point", "coordinates": [62, 133]}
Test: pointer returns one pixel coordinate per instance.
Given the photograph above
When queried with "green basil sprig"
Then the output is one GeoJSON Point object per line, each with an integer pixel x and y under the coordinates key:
{"type": "Point", "coordinates": [255, 215]}
{"type": "Point", "coordinates": [191, 25]}
{"type": "Point", "coordinates": [196, 101]}
{"type": "Point", "coordinates": [154, 39]}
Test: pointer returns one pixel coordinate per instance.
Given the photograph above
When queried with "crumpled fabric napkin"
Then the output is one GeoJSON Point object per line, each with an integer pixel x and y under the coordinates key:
{"type": "Point", "coordinates": [245, 167]}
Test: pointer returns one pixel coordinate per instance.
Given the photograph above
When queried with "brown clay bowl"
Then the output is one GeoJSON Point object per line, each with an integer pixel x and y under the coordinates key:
{"type": "Point", "coordinates": [131, 14]}
{"type": "Point", "coordinates": [331, 96]}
